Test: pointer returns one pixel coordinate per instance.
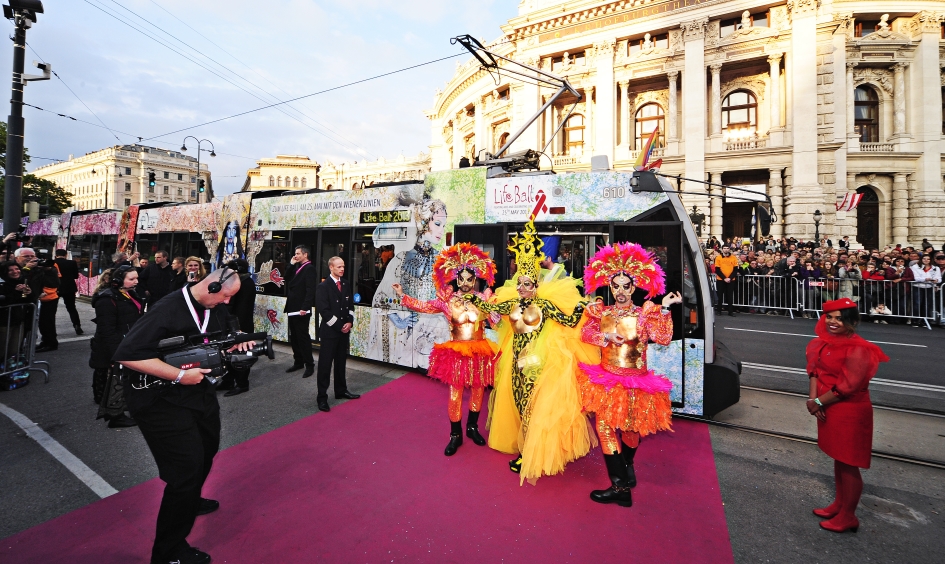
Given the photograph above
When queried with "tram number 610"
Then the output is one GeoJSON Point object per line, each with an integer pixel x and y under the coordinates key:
{"type": "Point", "coordinates": [614, 192]}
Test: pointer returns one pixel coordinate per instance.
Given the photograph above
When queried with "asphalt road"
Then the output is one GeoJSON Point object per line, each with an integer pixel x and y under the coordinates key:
{"type": "Point", "coordinates": [771, 349]}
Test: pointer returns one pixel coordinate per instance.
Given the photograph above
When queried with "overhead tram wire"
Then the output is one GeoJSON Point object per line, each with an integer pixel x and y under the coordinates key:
{"type": "Point", "coordinates": [244, 79]}
{"type": "Point", "coordinates": [275, 84]}
{"type": "Point", "coordinates": [208, 69]}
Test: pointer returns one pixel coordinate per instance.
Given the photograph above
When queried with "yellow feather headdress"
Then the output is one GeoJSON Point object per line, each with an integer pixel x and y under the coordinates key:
{"type": "Point", "coordinates": [526, 247]}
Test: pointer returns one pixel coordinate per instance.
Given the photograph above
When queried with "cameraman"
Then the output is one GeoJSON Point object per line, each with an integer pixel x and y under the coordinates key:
{"type": "Point", "coordinates": [177, 410]}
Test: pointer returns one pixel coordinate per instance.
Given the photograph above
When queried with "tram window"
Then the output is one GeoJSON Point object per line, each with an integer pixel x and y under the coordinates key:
{"type": "Point", "coordinates": [368, 271]}
{"type": "Point", "coordinates": [277, 251]}
{"type": "Point", "coordinates": [692, 311]}
{"type": "Point", "coordinates": [147, 245]}
{"type": "Point", "coordinates": [109, 246]}
{"type": "Point", "coordinates": [195, 245]}
{"type": "Point", "coordinates": [79, 247]}
{"type": "Point", "coordinates": [334, 244]}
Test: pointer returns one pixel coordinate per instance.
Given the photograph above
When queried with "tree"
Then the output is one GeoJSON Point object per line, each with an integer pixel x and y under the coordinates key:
{"type": "Point", "coordinates": [46, 192]}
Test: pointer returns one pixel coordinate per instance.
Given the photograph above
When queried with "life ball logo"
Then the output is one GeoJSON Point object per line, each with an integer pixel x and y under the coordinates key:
{"type": "Point", "coordinates": [517, 202]}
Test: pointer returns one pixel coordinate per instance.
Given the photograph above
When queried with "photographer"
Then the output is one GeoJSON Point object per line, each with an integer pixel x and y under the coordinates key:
{"type": "Point", "coordinates": [176, 409]}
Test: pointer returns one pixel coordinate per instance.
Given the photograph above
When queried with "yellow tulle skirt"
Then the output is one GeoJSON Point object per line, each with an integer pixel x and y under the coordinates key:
{"type": "Point", "coordinates": [558, 431]}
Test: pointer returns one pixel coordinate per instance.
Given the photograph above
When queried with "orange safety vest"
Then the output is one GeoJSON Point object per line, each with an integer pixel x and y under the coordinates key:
{"type": "Point", "coordinates": [51, 294]}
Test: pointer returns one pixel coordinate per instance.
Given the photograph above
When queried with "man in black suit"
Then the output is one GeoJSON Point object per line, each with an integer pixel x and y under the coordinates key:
{"type": "Point", "coordinates": [155, 280]}
{"type": "Point", "coordinates": [69, 271]}
{"type": "Point", "coordinates": [301, 281]}
{"type": "Point", "coordinates": [333, 303]}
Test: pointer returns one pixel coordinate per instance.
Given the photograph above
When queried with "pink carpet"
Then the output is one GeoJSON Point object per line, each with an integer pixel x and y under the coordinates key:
{"type": "Point", "coordinates": [368, 482]}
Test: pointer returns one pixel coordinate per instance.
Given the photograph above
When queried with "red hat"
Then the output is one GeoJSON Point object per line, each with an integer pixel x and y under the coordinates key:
{"type": "Point", "coordinates": [836, 305]}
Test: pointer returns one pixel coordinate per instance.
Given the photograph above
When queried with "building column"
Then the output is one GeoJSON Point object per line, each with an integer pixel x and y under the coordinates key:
{"type": "Point", "coordinates": [774, 72]}
{"type": "Point", "coordinates": [899, 100]}
{"type": "Point", "coordinates": [631, 121]}
{"type": "Point", "coordinates": [606, 107]}
{"type": "Point", "coordinates": [694, 112]}
{"type": "Point", "coordinates": [622, 90]}
{"type": "Point", "coordinates": [590, 124]}
{"type": "Point", "coordinates": [457, 146]}
{"type": "Point", "coordinates": [853, 140]}
{"type": "Point", "coordinates": [479, 129]}
{"type": "Point", "coordinates": [776, 192]}
{"type": "Point", "coordinates": [715, 206]}
{"type": "Point", "coordinates": [716, 99]}
{"type": "Point", "coordinates": [900, 210]}
{"type": "Point", "coordinates": [851, 225]}
{"type": "Point", "coordinates": [672, 130]}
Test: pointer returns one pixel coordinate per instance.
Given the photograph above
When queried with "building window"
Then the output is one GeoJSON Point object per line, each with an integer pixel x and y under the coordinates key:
{"type": "Point", "coordinates": [504, 94]}
{"type": "Point", "coordinates": [574, 135]}
{"type": "Point", "coordinates": [180, 191]}
{"type": "Point", "coordinates": [729, 27]}
{"type": "Point", "coordinates": [167, 174]}
{"type": "Point", "coordinates": [180, 176]}
{"type": "Point", "coordinates": [304, 182]}
{"type": "Point", "coordinates": [648, 118]}
{"type": "Point", "coordinates": [193, 193]}
{"type": "Point", "coordinates": [502, 140]}
{"type": "Point", "coordinates": [151, 189]}
{"type": "Point", "coordinates": [127, 170]}
{"type": "Point", "coordinates": [272, 180]}
{"type": "Point", "coordinates": [279, 182]}
{"type": "Point", "coordinates": [295, 182]}
{"type": "Point", "coordinates": [167, 190]}
{"type": "Point", "coordinates": [866, 114]}
{"type": "Point", "coordinates": [574, 59]}
{"type": "Point", "coordinates": [943, 110]}
{"type": "Point", "coordinates": [864, 28]}
{"type": "Point", "coordinates": [660, 41]}
{"type": "Point", "coordinates": [739, 114]}
{"type": "Point", "coordinates": [127, 202]}
{"type": "Point", "coordinates": [127, 186]}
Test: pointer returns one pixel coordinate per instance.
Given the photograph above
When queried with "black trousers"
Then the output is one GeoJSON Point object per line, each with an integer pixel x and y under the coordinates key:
{"type": "Point", "coordinates": [47, 323]}
{"type": "Point", "coordinates": [300, 340]}
{"type": "Point", "coordinates": [332, 351]}
{"type": "Point", "coordinates": [183, 442]}
{"type": "Point", "coordinates": [68, 300]}
{"type": "Point", "coordinates": [726, 294]}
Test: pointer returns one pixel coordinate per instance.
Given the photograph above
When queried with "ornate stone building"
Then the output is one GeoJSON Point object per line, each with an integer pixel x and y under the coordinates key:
{"type": "Point", "coordinates": [299, 172]}
{"type": "Point", "coordinates": [808, 100]}
{"type": "Point", "coordinates": [116, 177]}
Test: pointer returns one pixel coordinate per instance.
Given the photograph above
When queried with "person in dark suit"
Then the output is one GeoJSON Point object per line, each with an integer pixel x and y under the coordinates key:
{"type": "Point", "coordinates": [69, 271]}
{"type": "Point", "coordinates": [301, 281]}
{"type": "Point", "coordinates": [333, 303]}
{"type": "Point", "coordinates": [241, 307]}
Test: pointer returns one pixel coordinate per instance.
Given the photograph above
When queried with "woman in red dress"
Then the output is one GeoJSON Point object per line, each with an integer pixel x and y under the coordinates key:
{"type": "Point", "coordinates": [840, 364]}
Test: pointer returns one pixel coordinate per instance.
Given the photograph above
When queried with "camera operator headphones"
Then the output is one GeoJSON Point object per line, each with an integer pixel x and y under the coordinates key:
{"type": "Point", "coordinates": [117, 279]}
{"type": "Point", "coordinates": [217, 285]}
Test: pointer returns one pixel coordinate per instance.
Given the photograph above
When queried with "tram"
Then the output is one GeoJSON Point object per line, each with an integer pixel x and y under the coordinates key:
{"type": "Point", "coordinates": [390, 233]}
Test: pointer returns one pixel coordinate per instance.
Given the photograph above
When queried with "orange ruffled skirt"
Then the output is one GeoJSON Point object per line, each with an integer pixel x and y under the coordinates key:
{"type": "Point", "coordinates": [626, 409]}
{"type": "Point", "coordinates": [469, 364]}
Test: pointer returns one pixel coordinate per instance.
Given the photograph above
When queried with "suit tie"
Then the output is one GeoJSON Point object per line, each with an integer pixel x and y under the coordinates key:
{"type": "Point", "coordinates": [338, 283]}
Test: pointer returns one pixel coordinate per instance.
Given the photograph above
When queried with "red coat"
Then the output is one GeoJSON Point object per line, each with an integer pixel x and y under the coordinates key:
{"type": "Point", "coordinates": [845, 365]}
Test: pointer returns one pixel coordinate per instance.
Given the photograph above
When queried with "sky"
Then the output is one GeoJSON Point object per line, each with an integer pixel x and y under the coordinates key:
{"type": "Point", "coordinates": [259, 52]}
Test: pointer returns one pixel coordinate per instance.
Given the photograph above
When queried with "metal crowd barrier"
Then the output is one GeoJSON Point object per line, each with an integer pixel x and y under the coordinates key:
{"type": "Point", "coordinates": [767, 293]}
{"type": "Point", "coordinates": [19, 325]}
{"type": "Point", "coordinates": [941, 304]}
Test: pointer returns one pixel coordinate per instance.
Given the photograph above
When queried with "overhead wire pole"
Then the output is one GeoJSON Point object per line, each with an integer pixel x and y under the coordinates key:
{"type": "Point", "coordinates": [23, 13]}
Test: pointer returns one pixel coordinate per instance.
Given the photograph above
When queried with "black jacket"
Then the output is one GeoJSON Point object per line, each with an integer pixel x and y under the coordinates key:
{"type": "Point", "coordinates": [243, 303]}
{"type": "Point", "coordinates": [301, 286]}
{"type": "Point", "coordinates": [178, 280]}
{"type": "Point", "coordinates": [333, 307]}
{"type": "Point", "coordinates": [155, 282]}
{"type": "Point", "coordinates": [69, 271]}
{"type": "Point", "coordinates": [114, 316]}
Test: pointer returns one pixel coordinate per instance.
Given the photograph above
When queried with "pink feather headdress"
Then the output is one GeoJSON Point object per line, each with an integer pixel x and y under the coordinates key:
{"type": "Point", "coordinates": [629, 258]}
{"type": "Point", "coordinates": [460, 257]}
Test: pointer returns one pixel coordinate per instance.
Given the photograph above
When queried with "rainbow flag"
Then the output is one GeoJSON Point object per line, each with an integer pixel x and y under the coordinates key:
{"type": "Point", "coordinates": [644, 156]}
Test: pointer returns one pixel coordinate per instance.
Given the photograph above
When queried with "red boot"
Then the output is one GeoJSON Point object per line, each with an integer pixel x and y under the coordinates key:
{"type": "Point", "coordinates": [851, 486]}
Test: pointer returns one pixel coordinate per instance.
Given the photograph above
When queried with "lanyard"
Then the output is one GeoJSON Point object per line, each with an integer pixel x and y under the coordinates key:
{"type": "Point", "coordinates": [193, 312]}
{"type": "Point", "coordinates": [301, 266]}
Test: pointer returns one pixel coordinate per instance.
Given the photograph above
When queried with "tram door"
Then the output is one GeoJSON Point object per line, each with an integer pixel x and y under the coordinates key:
{"type": "Point", "coordinates": [664, 239]}
{"type": "Point", "coordinates": [493, 239]}
{"type": "Point", "coordinates": [324, 244]}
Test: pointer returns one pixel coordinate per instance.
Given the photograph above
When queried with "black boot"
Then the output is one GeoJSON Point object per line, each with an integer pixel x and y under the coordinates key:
{"type": "Point", "coordinates": [472, 428]}
{"type": "Point", "coordinates": [516, 465]}
{"type": "Point", "coordinates": [99, 380]}
{"type": "Point", "coordinates": [456, 438]}
{"type": "Point", "coordinates": [628, 454]}
{"type": "Point", "coordinates": [619, 490]}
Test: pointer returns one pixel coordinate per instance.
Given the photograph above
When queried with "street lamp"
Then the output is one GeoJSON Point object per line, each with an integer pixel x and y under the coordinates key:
{"type": "Point", "coordinates": [817, 217]}
{"type": "Point", "coordinates": [183, 148]}
{"type": "Point", "coordinates": [698, 220]}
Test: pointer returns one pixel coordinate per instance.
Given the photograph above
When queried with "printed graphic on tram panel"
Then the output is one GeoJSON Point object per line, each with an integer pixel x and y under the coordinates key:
{"type": "Point", "coordinates": [593, 196]}
{"type": "Point", "coordinates": [233, 229]}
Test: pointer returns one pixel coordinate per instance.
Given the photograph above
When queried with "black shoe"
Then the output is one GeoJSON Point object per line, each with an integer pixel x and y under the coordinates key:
{"type": "Point", "coordinates": [207, 506]}
{"type": "Point", "coordinates": [347, 395]}
{"type": "Point", "coordinates": [295, 367]}
{"type": "Point", "coordinates": [731, 314]}
{"type": "Point", "coordinates": [236, 391]}
{"type": "Point", "coordinates": [189, 555]}
{"type": "Point", "coordinates": [516, 465]}
{"type": "Point", "coordinates": [472, 428]}
{"type": "Point", "coordinates": [619, 490]}
{"type": "Point", "coordinates": [309, 370]}
{"type": "Point", "coordinates": [226, 384]}
{"type": "Point", "coordinates": [46, 348]}
{"type": "Point", "coordinates": [78, 330]}
{"type": "Point", "coordinates": [323, 406]}
{"type": "Point", "coordinates": [121, 421]}
{"type": "Point", "coordinates": [628, 454]}
{"type": "Point", "coordinates": [456, 438]}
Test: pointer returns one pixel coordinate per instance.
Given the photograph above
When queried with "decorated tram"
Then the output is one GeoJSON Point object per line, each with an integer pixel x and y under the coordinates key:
{"type": "Point", "coordinates": [391, 233]}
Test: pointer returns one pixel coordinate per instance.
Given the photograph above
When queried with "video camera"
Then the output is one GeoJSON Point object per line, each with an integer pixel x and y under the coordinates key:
{"type": "Point", "coordinates": [211, 352]}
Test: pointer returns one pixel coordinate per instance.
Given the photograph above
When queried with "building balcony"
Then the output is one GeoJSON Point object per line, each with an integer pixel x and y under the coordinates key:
{"type": "Point", "coordinates": [746, 143]}
{"type": "Point", "coordinates": [657, 153]}
{"type": "Point", "coordinates": [877, 147]}
{"type": "Point", "coordinates": [565, 160]}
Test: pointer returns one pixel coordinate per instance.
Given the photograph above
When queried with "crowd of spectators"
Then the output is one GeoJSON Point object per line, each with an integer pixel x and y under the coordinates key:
{"type": "Point", "coordinates": [895, 284]}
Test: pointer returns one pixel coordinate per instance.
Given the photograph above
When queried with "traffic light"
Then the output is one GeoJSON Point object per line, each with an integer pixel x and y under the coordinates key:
{"type": "Point", "coordinates": [200, 185]}
{"type": "Point", "coordinates": [151, 181]}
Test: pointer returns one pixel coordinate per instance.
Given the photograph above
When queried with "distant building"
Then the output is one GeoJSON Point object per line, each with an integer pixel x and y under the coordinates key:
{"type": "Point", "coordinates": [116, 177]}
{"type": "Point", "coordinates": [301, 173]}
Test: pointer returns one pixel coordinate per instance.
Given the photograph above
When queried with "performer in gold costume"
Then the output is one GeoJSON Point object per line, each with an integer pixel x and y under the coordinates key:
{"type": "Point", "coordinates": [467, 360]}
{"type": "Point", "coordinates": [621, 391]}
{"type": "Point", "coordinates": [535, 409]}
